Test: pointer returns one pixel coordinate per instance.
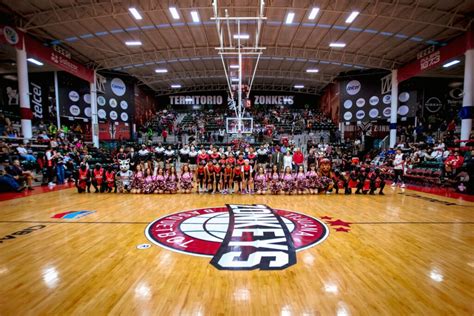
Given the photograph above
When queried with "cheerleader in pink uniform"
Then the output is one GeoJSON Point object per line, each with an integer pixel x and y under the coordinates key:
{"type": "Point", "coordinates": [172, 181]}
{"type": "Point", "coordinates": [313, 179]}
{"type": "Point", "coordinates": [289, 182]}
{"type": "Point", "coordinates": [186, 179]}
{"type": "Point", "coordinates": [137, 181]}
{"type": "Point", "coordinates": [260, 182]}
{"type": "Point", "coordinates": [148, 182]}
{"type": "Point", "coordinates": [160, 184]}
{"type": "Point", "coordinates": [274, 180]}
{"type": "Point", "coordinates": [301, 181]}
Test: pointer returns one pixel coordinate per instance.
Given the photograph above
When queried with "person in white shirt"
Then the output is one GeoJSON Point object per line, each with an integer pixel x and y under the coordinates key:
{"type": "Point", "coordinates": [143, 152]}
{"type": "Point", "coordinates": [398, 168]}
{"type": "Point", "coordinates": [23, 152]}
{"type": "Point", "coordinates": [288, 160]}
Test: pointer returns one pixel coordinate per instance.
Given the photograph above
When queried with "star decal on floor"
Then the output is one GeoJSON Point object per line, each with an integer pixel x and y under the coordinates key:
{"type": "Point", "coordinates": [338, 224]}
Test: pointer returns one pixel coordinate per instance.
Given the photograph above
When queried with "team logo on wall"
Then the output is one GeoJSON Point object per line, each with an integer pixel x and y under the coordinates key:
{"type": "Point", "coordinates": [374, 100]}
{"type": "Point", "coordinates": [347, 104]}
{"type": "Point", "coordinates": [404, 97]}
{"type": "Point", "coordinates": [113, 115]}
{"type": "Point", "coordinates": [239, 237]}
{"type": "Point", "coordinates": [374, 113]}
{"type": "Point", "coordinates": [353, 87]}
{"type": "Point", "coordinates": [73, 96]}
{"type": "Point", "coordinates": [88, 112]}
{"type": "Point", "coordinates": [124, 116]}
{"type": "Point", "coordinates": [102, 114]}
{"type": "Point", "coordinates": [118, 87]}
{"type": "Point", "coordinates": [360, 102]}
{"type": "Point", "coordinates": [348, 116]}
{"type": "Point", "coordinates": [360, 114]}
{"type": "Point", "coordinates": [403, 110]}
{"type": "Point", "coordinates": [433, 104]}
{"type": "Point", "coordinates": [87, 98]}
{"type": "Point", "coordinates": [387, 99]}
{"type": "Point", "coordinates": [387, 112]}
{"type": "Point", "coordinates": [123, 105]}
{"type": "Point", "coordinates": [113, 103]}
{"type": "Point", "coordinates": [75, 110]}
{"type": "Point", "coordinates": [101, 100]}
{"type": "Point", "coordinates": [11, 36]}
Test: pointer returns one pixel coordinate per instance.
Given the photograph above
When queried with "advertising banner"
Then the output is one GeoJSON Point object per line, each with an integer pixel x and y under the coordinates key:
{"type": "Point", "coordinates": [432, 57]}
{"type": "Point", "coordinates": [41, 97]}
{"type": "Point", "coordinates": [361, 100]}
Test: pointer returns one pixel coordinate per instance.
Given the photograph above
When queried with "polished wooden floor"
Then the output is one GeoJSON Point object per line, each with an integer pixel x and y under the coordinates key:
{"type": "Point", "coordinates": [404, 254]}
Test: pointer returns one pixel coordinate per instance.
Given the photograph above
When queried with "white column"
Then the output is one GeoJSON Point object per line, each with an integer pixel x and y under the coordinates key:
{"type": "Point", "coordinates": [24, 92]}
{"type": "Point", "coordinates": [468, 97]}
{"type": "Point", "coordinates": [394, 110]}
{"type": "Point", "coordinates": [56, 97]}
{"type": "Point", "coordinates": [341, 129]}
{"type": "Point", "coordinates": [95, 120]}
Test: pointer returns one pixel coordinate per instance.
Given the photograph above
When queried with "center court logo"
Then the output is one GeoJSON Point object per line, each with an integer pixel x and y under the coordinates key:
{"type": "Point", "coordinates": [239, 237]}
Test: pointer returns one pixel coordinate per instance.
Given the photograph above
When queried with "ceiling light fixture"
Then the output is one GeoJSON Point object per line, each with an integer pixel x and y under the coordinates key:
{"type": "Point", "coordinates": [34, 61]}
{"type": "Point", "coordinates": [161, 71]}
{"type": "Point", "coordinates": [234, 66]}
{"type": "Point", "coordinates": [299, 86]}
{"type": "Point", "coordinates": [175, 86]}
{"type": "Point", "coordinates": [313, 13]}
{"type": "Point", "coordinates": [290, 17]}
{"type": "Point", "coordinates": [312, 70]}
{"type": "Point", "coordinates": [133, 43]}
{"type": "Point", "coordinates": [241, 36]}
{"type": "Point", "coordinates": [195, 16]}
{"type": "Point", "coordinates": [451, 63]}
{"type": "Point", "coordinates": [174, 13]}
{"type": "Point", "coordinates": [135, 13]}
{"type": "Point", "coordinates": [352, 16]}
{"type": "Point", "coordinates": [337, 45]}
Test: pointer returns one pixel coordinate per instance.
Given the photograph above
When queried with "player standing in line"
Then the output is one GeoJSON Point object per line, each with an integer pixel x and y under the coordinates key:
{"type": "Point", "coordinates": [399, 170]}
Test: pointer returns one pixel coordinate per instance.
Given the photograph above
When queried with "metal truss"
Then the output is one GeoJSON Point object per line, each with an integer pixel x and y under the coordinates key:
{"type": "Point", "coordinates": [223, 87]}
{"type": "Point", "coordinates": [420, 14]}
{"type": "Point", "coordinates": [198, 75]}
{"type": "Point", "coordinates": [191, 54]}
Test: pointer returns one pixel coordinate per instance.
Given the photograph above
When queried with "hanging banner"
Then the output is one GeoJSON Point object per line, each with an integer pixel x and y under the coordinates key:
{"type": "Point", "coordinates": [54, 57]}
{"type": "Point", "coordinates": [433, 57]}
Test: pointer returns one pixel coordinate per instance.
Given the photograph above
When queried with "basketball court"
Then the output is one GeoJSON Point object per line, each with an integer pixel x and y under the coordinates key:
{"type": "Point", "coordinates": [396, 254]}
{"type": "Point", "coordinates": [293, 104]}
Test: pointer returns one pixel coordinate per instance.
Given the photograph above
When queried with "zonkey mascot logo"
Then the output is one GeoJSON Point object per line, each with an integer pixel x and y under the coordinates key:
{"type": "Point", "coordinates": [239, 237]}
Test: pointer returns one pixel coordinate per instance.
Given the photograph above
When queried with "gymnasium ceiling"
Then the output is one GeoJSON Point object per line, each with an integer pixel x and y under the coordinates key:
{"type": "Point", "coordinates": [385, 35]}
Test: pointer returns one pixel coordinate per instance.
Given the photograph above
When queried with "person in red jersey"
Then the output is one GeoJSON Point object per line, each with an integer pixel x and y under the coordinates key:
{"type": "Point", "coordinates": [83, 181]}
{"type": "Point", "coordinates": [210, 177]}
{"type": "Point", "coordinates": [247, 171]}
{"type": "Point", "coordinates": [228, 177]}
{"type": "Point", "coordinates": [98, 175]}
{"type": "Point", "coordinates": [110, 180]}
{"type": "Point", "coordinates": [237, 178]}
{"type": "Point", "coordinates": [200, 176]}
